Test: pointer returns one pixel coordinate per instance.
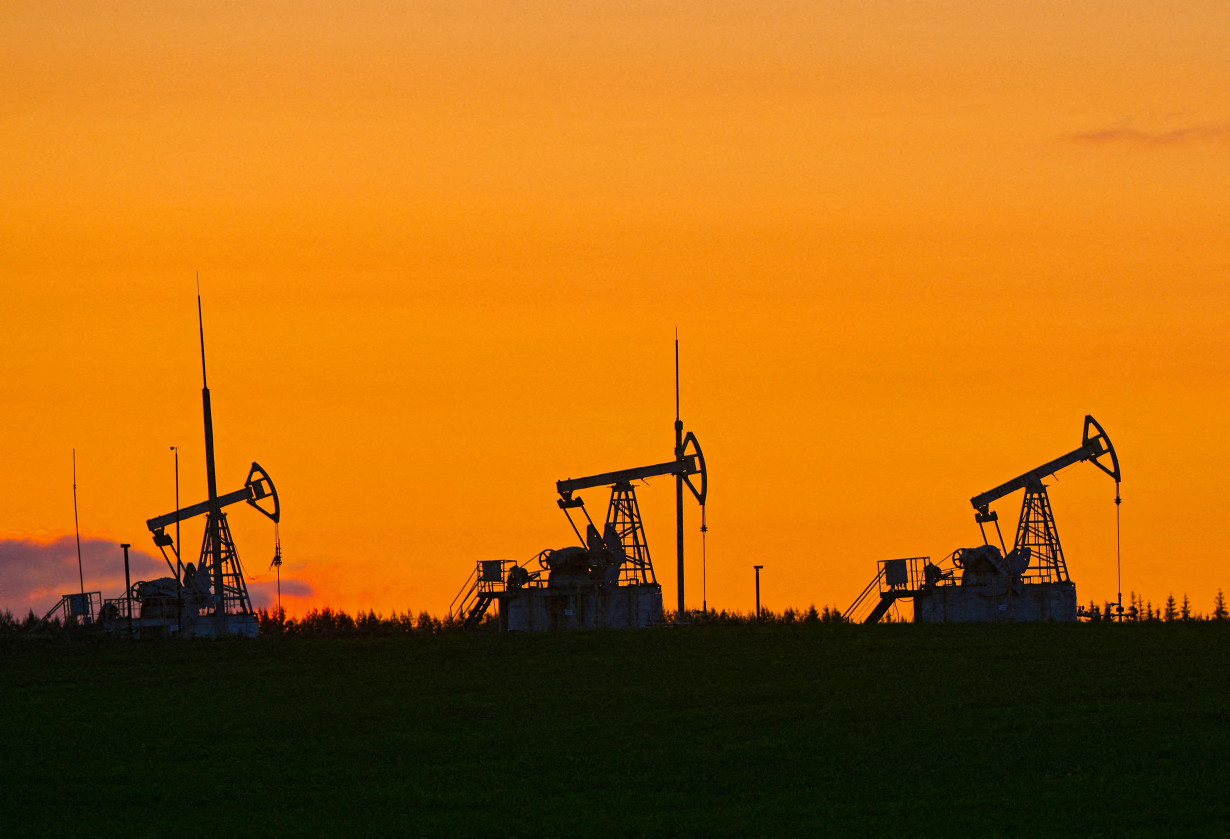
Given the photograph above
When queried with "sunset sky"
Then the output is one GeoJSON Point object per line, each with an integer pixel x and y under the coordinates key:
{"type": "Point", "coordinates": [444, 249]}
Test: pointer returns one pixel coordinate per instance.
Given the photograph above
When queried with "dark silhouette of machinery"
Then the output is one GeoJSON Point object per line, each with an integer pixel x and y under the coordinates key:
{"type": "Point", "coordinates": [623, 530]}
{"type": "Point", "coordinates": [209, 598]}
{"type": "Point", "coordinates": [989, 582]}
{"type": "Point", "coordinates": [608, 580]}
{"type": "Point", "coordinates": [194, 591]}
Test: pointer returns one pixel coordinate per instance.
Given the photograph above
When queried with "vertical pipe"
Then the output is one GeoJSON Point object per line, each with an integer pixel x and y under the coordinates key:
{"type": "Point", "coordinates": [678, 482]}
{"type": "Point", "coordinates": [127, 587]}
{"type": "Point", "coordinates": [758, 567]}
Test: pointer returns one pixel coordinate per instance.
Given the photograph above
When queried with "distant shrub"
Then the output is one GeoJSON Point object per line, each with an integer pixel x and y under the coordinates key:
{"type": "Point", "coordinates": [832, 615]}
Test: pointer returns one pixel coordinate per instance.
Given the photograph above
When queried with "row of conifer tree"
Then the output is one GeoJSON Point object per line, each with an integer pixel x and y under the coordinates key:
{"type": "Point", "coordinates": [1139, 609]}
{"type": "Point", "coordinates": [329, 622]}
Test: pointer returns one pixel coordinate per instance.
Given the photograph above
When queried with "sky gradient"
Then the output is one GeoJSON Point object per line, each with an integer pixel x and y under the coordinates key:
{"type": "Point", "coordinates": [444, 249]}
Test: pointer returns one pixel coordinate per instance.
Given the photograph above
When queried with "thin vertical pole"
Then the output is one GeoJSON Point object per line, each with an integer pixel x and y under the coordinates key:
{"type": "Point", "coordinates": [678, 481]}
{"type": "Point", "coordinates": [77, 527]}
{"type": "Point", "coordinates": [213, 521]}
{"type": "Point", "coordinates": [179, 560]}
{"type": "Point", "coordinates": [758, 567]}
{"type": "Point", "coordinates": [277, 562]}
{"type": "Point", "coordinates": [704, 565]}
{"type": "Point", "coordinates": [127, 587]}
{"type": "Point", "coordinates": [1118, 549]}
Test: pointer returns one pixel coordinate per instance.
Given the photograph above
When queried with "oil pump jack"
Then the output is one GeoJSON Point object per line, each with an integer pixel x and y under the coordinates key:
{"type": "Point", "coordinates": [1037, 555]}
{"type": "Point", "coordinates": [609, 579]}
{"type": "Point", "coordinates": [623, 531]}
{"type": "Point", "coordinates": [991, 582]}
{"type": "Point", "coordinates": [218, 568]}
{"type": "Point", "coordinates": [210, 599]}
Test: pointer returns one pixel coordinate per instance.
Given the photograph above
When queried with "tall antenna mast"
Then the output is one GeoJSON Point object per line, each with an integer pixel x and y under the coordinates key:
{"type": "Point", "coordinates": [677, 420]}
{"type": "Point", "coordinates": [215, 511]}
{"type": "Point", "coordinates": [200, 320]}
{"type": "Point", "coordinates": [678, 481]}
{"type": "Point", "coordinates": [77, 527]}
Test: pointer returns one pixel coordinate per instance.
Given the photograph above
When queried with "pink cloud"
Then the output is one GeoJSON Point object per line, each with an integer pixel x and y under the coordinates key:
{"type": "Point", "coordinates": [264, 594]}
{"type": "Point", "coordinates": [34, 574]}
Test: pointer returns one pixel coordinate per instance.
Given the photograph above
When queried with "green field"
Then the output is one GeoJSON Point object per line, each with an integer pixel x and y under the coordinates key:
{"type": "Point", "coordinates": [999, 730]}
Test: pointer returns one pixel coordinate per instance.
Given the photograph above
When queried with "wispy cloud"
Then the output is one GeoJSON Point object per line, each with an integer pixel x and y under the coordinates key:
{"type": "Point", "coordinates": [34, 573]}
{"type": "Point", "coordinates": [1214, 133]}
{"type": "Point", "coordinates": [265, 593]}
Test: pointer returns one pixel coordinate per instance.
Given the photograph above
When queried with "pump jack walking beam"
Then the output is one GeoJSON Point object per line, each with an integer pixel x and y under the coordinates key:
{"type": "Point", "coordinates": [258, 487]}
{"type": "Point", "coordinates": [1092, 448]}
{"type": "Point", "coordinates": [686, 466]}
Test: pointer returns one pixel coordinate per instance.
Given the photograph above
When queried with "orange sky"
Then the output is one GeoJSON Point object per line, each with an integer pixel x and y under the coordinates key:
{"type": "Point", "coordinates": [444, 250]}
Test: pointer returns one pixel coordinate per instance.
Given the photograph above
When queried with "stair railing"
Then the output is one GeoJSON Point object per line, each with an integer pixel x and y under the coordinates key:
{"type": "Point", "coordinates": [462, 604]}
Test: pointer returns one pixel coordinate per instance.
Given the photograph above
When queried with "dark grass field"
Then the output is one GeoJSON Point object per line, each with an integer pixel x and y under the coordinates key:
{"type": "Point", "coordinates": [1001, 730]}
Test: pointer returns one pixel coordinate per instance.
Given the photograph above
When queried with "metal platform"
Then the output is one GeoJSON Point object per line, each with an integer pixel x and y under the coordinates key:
{"type": "Point", "coordinates": [528, 602]}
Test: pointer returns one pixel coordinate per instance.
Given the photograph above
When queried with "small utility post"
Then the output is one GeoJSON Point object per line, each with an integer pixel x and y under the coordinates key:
{"type": "Point", "coordinates": [758, 567]}
{"type": "Point", "coordinates": [127, 587]}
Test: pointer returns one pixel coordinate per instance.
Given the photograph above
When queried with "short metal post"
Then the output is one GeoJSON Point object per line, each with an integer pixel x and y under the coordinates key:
{"type": "Point", "coordinates": [128, 587]}
{"type": "Point", "coordinates": [758, 567]}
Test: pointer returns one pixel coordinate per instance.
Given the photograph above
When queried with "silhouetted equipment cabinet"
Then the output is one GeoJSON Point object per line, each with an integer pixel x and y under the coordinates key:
{"type": "Point", "coordinates": [1028, 602]}
{"type": "Point", "coordinates": [580, 606]}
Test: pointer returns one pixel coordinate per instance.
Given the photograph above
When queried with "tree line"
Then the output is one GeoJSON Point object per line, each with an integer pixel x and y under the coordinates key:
{"type": "Point", "coordinates": [328, 622]}
{"type": "Point", "coordinates": [1139, 609]}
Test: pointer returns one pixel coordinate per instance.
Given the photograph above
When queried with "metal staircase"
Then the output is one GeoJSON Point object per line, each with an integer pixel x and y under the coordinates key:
{"type": "Point", "coordinates": [483, 587]}
{"type": "Point", "coordinates": [894, 579]}
{"type": "Point", "coordinates": [82, 608]}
